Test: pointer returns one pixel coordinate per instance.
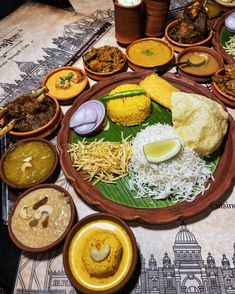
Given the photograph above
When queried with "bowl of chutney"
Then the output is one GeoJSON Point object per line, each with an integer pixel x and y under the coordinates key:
{"type": "Point", "coordinates": [29, 162]}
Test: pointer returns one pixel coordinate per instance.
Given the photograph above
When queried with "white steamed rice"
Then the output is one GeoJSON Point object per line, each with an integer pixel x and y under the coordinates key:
{"type": "Point", "coordinates": [184, 176]}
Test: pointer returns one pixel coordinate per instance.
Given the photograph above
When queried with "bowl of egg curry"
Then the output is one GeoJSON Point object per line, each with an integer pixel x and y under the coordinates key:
{"type": "Point", "coordinates": [100, 254]}
{"type": "Point", "coordinates": [65, 83]}
{"type": "Point", "coordinates": [148, 52]}
{"type": "Point", "coordinates": [29, 162]}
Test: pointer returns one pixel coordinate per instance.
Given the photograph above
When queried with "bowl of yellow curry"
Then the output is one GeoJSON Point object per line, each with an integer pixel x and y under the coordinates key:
{"type": "Point", "coordinates": [65, 83]}
{"type": "Point", "coordinates": [100, 254]}
{"type": "Point", "coordinates": [148, 53]}
{"type": "Point", "coordinates": [29, 162]}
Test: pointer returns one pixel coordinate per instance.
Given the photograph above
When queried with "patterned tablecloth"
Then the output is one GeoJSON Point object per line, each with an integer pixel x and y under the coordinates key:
{"type": "Point", "coordinates": [193, 257]}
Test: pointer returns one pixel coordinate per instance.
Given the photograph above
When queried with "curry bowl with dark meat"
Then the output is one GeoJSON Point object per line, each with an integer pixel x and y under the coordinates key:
{"type": "Point", "coordinates": [104, 59]}
{"type": "Point", "coordinates": [193, 27]}
{"type": "Point", "coordinates": [28, 112]}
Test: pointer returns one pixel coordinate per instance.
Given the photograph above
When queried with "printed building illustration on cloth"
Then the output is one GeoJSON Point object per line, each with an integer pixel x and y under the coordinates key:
{"type": "Point", "coordinates": [76, 38]}
{"type": "Point", "coordinates": [187, 273]}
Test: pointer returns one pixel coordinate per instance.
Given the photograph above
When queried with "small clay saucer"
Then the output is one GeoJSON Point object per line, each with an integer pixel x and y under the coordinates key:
{"type": "Point", "coordinates": [79, 236]}
{"type": "Point", "coordinates": [178, 46]}
{"type": "Point", "coordinates": [12, 230]}
{"type": "Point", "coordinates": [198, 76]}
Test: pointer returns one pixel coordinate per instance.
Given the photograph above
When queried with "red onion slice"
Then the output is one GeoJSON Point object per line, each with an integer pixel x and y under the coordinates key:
{"type": "Point", "coordinates": [88, 117]}
{"type": "Point", "coordinates": [83, 116]}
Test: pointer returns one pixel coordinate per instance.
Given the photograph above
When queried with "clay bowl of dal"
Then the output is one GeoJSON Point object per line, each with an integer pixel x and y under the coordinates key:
{"type": "Point", "coordinates": [41, 218]}
{"type": "Point", "coordinates": [29, 162]}
{"type": "Point", "coordinates": [199, 54]}
{"type": "Point", "coordinates": [172, 25]}
{"type": "Point", "coordinates": [65, 83]}
{"type": "Point", "coordinates": [148, 52]}
{"type": "Point", "coordinates": [103, 62]}
{"type": "Point", "coordinates": [100, 254]}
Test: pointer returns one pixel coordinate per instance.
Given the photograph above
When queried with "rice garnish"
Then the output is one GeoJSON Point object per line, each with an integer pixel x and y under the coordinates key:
{"type": "Point", "coordinates": [182, 177]}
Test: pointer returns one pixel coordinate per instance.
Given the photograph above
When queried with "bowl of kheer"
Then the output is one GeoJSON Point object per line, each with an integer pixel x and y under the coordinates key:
{"type": "Point", "coordinates": [100, 254]}
{"type": "Point", "coordinates": [41, 218]}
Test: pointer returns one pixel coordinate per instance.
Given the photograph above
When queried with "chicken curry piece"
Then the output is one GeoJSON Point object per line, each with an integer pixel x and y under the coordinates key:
{"type": "Point", "coordinates": [104, 59]}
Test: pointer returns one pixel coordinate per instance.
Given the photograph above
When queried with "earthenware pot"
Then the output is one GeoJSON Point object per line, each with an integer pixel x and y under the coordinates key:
{"type": "Point", "coordinates": [156, 12]}
{"type": "Point", "coordinates": [128, 22]}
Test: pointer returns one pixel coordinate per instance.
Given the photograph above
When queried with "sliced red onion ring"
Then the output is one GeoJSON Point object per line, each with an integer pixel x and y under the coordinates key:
{"type": "Point", "coordinates": [84, 128]}
{"type": "Point", "coordinates": [230, 22]}
{"type": "Point", "coordinates": [88, 117]}
{"type": "Point", "coordinates": [83, 115]}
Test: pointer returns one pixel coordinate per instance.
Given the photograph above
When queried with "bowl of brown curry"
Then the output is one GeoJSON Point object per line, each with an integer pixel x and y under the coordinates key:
{"type": "Point", "coordinates": [103, 62]}
{"type": "Point", "coordinates": [33, 114]}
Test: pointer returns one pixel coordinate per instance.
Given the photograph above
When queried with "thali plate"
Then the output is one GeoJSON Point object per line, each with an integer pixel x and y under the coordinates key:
{"type": "Point", "coordinates": [119, 202]}
{"type": "Point", "coordinates": [220, 36]}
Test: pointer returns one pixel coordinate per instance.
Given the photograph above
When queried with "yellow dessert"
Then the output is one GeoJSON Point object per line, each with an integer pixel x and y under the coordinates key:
{"type": "Point", "coordinates": [103, 254]}
{"type": "Point", "coordinates": [107, 272]}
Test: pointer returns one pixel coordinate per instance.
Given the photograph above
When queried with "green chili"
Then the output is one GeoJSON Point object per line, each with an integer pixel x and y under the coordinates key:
{"type": "Point", "coordinates": [123, 94]}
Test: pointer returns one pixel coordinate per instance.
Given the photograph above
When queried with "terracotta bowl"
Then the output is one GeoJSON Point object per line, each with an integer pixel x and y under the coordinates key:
{"type": "Point", "coordinates": [74, 241]}
{"type": "Point", "coordinates": [97, 76]}
{"type": "Point", "coordinates": [37, 230]}
{"type": "Point", "coordinates": [43, 131]}
{"type": "Point", "coordinates": [218, 90]}
{"type": "Point", "coordinates": [184, 45]}
{"type": "Point", "coordinates": [61, 97]}
{"type": "Point", "coordinates": [220, 36]}
{"type": "Point", "coordinates": [135, 65]}
{"type": "Point", "coordinates": [17, 169]}
{"type": "Point", "coordinates": [199, 76]}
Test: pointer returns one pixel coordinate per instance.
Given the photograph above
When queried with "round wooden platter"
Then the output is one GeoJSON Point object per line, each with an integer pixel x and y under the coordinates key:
{"type": "Point", "coordinates": [223, 174]}
{"type": "Point", "coordinates": [216, 38]}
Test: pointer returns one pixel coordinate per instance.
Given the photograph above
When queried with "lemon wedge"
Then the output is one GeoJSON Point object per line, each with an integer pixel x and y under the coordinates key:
{"type": "Point", "coordinates": [162, 150]}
